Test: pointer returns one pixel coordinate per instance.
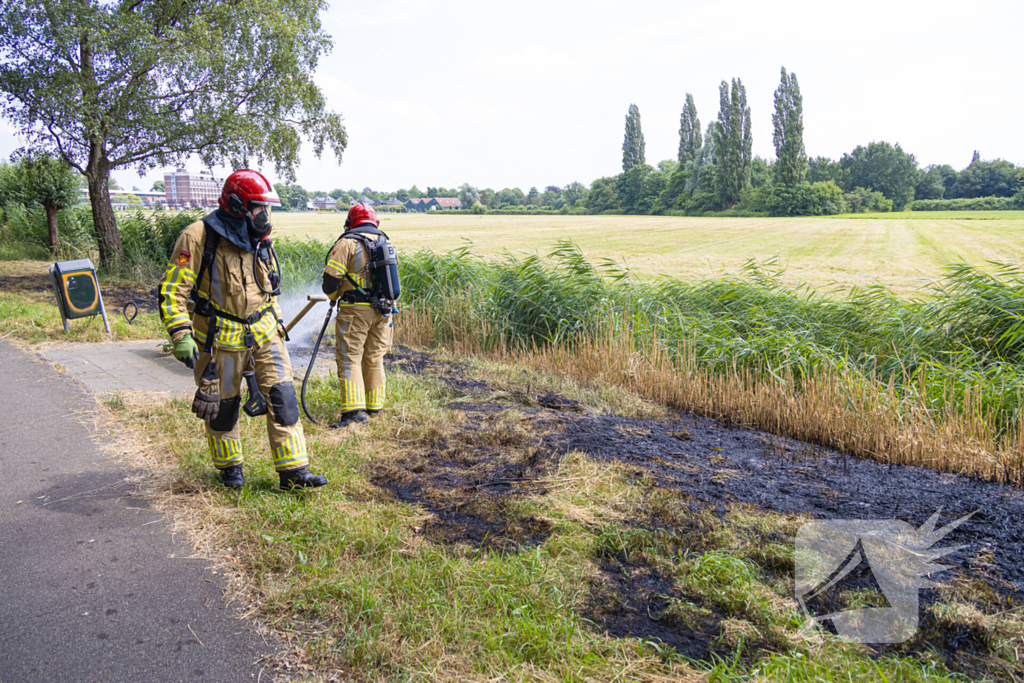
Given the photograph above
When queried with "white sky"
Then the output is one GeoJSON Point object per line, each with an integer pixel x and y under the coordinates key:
{"type": "Point", "coordinates": [535, 93]}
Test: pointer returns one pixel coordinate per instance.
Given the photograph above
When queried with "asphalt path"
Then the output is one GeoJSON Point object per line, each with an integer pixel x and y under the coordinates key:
{"type": "Point", "coordinates": [93, 587]}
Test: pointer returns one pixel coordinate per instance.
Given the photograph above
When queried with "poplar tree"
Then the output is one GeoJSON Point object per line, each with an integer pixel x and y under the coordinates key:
{"type": "Point", "coordinates": [689, 133]}
{"type": "Point", "coordinates": [733, 142]}
{"type": "Point", "coordinates": [788, 120]}
{"type": "Point", "coordinates": [633, 143]}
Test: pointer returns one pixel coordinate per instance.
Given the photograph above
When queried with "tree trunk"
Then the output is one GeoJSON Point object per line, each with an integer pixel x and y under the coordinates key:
{"type": "Point", "coordinates": [104, 221]}
{"type": "Point", "coordinates": [51, 223]}
{"type": "Point", "coordinates": [97, 171]}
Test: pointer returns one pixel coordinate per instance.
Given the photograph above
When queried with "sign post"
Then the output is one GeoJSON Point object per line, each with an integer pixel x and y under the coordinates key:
{"type": "Point", "coordinates": [78, 291]}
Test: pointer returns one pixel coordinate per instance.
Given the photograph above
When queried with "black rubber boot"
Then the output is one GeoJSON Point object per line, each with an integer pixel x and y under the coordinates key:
{"type": "Point", "coordinates": [373, 413]}
{"type": "Point", "coordinates": [352, 417]}
{"type": "Point", "coordinates": [301, 479]}
{"type": "Point", "coordinates": [232, 477]}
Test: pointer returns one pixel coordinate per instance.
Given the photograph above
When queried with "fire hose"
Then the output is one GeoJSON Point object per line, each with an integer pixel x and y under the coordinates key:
{"type": "Point", "coordinates": [312, 359]}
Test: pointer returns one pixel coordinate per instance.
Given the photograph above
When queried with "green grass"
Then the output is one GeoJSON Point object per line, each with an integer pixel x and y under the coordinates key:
{"type": "Point", "coordinates": [938, 215]}
{"type": "Point", "coordinates": [826, 252]}
{"type": "Point", "coordinates": [34, 319]}
{"type": "Point", "coordinates": [349, 572]}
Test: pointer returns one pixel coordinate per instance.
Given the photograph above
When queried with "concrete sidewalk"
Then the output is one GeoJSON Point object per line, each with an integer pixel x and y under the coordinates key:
{"type": "Point", "coordinates": [123, 366]}
{"type": "Point", "coordinates": [93, 587]}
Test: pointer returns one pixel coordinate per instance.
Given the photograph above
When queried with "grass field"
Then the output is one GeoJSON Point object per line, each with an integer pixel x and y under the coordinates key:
{"type": "Point", "coordinates": [904, 254]}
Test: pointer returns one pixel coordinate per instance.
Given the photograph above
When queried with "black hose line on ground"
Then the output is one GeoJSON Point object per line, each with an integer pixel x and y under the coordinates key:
{"type": "Point", "coordinates": [124, 311]}
{"type": "Point", "coordinates": [312, 361]}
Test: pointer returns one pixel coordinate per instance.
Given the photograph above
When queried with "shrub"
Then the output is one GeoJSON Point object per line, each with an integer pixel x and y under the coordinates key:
{"type": "Point", "coordinates": [973, 204]}
{"type": "Point", "coordinates": [863, 200]}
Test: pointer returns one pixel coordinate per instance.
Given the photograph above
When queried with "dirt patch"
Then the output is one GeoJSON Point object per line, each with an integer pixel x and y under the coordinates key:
{"type": "Point", "coordinates": [466, 479]}
{"type": "Point", "coordinates": [719, 466]}
{"type": "Point", "coordinates": [632, 599]}
{"type": "Point", "coordinates": [715, 465]}
{"type": "Point", "coordinates": [114, 296]}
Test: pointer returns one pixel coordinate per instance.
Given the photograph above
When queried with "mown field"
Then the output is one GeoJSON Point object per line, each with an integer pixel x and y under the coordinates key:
{"type": "Point", "coordinates": [903, 253]}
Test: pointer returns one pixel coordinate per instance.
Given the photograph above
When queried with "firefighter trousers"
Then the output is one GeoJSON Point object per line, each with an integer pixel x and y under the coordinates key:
{"type": "Point", "coordinates": [273, 370]}
{"type": "Point", "coordinates": [363, 337]}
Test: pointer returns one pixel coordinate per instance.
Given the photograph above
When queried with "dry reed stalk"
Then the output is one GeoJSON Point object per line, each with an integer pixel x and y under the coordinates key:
{"type": "Point", "coordinates": [839, 409]}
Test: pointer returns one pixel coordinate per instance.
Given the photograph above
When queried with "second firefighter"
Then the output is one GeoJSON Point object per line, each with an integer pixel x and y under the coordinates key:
{"type": "Point", "coordinates": [363, 327]}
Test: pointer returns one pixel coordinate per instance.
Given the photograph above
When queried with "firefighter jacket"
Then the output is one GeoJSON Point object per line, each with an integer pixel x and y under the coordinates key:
{"type": "Point", "coordinates": [348, 257]}
{"type": "Point", "coordinates": [230, 287]}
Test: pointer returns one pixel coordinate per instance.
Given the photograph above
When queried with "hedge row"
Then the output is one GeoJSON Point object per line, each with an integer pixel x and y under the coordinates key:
{"type": "Point", "coordinates": [975, 204]}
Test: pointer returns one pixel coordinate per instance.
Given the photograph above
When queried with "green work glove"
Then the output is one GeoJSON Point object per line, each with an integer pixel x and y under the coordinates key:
{"type": "Point", "coordinates": [186, 350]}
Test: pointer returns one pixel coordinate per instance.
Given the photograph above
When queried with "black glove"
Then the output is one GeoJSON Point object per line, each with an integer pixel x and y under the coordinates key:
{"type": "Point", "coordinates": [206, 403]}
{"type": "Point", "coordinates": [205, 406]}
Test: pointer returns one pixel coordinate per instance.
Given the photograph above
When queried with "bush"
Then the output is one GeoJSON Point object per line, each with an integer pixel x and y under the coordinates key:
{"type": "Point", "coordinates": [974, 204]}
{"type": "Point", "coordinates": [863, 200]}
{"type": "Point", "coordinates": [24, 233]}
{"type": "Point", "coordinates": [147, 237]}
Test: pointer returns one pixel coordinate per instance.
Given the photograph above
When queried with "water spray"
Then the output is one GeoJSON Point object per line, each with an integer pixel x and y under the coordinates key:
{"type": "Point", "coordinates": [316, 349]}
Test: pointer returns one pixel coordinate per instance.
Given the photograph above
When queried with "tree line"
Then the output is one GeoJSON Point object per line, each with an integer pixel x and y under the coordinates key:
{"type": "Point", "coordinates": [715, 172]}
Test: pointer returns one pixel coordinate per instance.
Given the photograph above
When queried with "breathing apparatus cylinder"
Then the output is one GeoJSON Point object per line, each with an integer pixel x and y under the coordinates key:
{"type": "Point", "coordinates": [385, 270]}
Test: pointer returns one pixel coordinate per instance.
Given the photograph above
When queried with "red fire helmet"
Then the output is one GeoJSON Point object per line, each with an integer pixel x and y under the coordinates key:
{"type": "Point", "coordinates": [251, 188]}
{"type": "Point", "coordinates": [361, 213]}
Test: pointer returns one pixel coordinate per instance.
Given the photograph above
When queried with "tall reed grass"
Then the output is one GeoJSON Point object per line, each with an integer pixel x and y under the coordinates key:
{"type": "Point", "coordinates": [935, 381]}
{"type": "Point", "coordinates": [147, 237]}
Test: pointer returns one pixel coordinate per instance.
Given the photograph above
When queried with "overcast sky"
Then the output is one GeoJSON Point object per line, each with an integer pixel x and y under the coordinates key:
{"type": "Point", "coordinates": [535, 93]}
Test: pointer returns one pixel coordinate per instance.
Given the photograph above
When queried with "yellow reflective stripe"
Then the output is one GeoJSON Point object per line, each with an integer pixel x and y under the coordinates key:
{"type": "Point", "coordinates": [231, 335]}
{"type": "Point", "coordinates": [173, 279]}
{"type": "Point", "coordinates": [337, 266]}
{"type": "Point", "coordinates": [364, 303]}
{"type": "Point", "coordinates": [354, 395]}
{"type": "Point", "coordinates": [291, 452]}
{"type": "Point", "coordinates": [375, 398]}
{"type": "Point", "coordinates": [225, 452]}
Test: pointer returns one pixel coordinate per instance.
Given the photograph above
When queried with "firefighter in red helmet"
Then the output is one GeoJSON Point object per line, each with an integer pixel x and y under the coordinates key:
{"type": "Point", "coordinates": [363, 331]}
{"type": "Point", "coordinates": [218, 303]}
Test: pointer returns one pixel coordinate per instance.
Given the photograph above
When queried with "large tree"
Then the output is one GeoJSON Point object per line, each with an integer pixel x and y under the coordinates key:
{"type": "Point", "coordinates": [575, 193]}
{"type": "Point", "coordinates": [145, 83]}
{"type": "Point", "coordinates": [469, 196]}
{"type": "Point", "coordinates": [996, 178]}
{"type": "Point", "coordinates": [633, 142]}
{"type": "Point", "coordinates": [733, 142]}
{"type": "Point", "coordinates": [689, 133]}
{"type": "Point", "coordinates": [883, 168]}
{"type": "Point", "coordinates": [788, 120]}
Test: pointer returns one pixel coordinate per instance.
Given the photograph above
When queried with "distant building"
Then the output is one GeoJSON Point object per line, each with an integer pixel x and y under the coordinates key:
{"type": "Point", "coordinates": [324, 202]}
{"type": "Point", "coordinates": [126, 199]}
{"type": "Point", "coordinates": [446, 203]}
{"type": "Point", "coordinates": [391, 201]}
{"type": "Point", "coordinates": [433, 204]}
{"type": "Point", "coordinates": [184, 190]}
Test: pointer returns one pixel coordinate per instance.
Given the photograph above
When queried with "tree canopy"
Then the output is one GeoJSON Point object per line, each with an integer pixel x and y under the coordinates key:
{"type": "Point", "coordinates": [788, 121]}
{"type": "Point", "coordinates": [733, 142]}
{"type": "Point", "coordinates": [633, 141]}
{"type": "Point", "coordinates": [146, 83]}
{"type": "Point", "coordinates": [689, 133]}
{"type": "Point", "coordinates": [883, 168]}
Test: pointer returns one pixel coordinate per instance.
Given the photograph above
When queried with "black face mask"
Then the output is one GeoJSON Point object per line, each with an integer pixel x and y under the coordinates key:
{"type": "Point", "coordinates": [259, 226]}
